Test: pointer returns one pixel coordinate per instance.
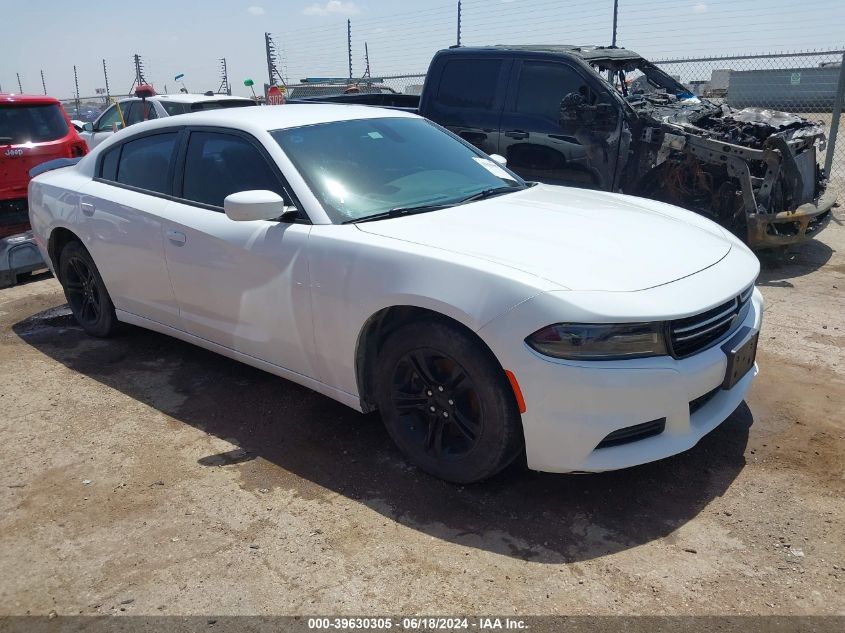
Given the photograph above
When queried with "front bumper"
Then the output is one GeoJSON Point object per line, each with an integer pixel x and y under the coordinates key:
{"type": "Point", "coordinates": [19, 254]}
{"type": "Point", "coordinates": [571, 407]}
{"type": "Point", "coordinates": [770, 230]}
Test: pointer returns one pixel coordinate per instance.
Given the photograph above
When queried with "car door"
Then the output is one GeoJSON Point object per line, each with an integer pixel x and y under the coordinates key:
{"type": "Point", "coordinates": [469, 97]}
{"type": "Point", "coordinates": [242, 285]}
{"type": "Point", "coordinates": [532, 139]}
{"type": "Point", "coordinates": [121, 215]}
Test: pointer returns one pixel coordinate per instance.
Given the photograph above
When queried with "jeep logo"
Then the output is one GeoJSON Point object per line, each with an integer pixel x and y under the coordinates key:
{"type": "Point", "coordinates": [10, 153]}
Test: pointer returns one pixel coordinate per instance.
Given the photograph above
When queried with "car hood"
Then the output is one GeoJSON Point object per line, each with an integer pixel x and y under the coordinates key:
{"type": "Point", "coordinates": [576, 238]}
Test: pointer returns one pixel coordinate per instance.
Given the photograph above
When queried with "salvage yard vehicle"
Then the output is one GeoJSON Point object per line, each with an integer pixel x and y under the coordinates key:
{"type": "Point", "coordinates": [557, 118]}
{"type": "Point", "coordinates": [133, 110]}
{"type": "Point", "coordinates": [378, 259]}
{"type": "Point", "coordinates": [33, 130]}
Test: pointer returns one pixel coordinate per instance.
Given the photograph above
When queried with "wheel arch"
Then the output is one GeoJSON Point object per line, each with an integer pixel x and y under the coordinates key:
{"type": "Point", "coordinates": [59, 238]}
{"type": "Point", "coordinates": [379, 326]}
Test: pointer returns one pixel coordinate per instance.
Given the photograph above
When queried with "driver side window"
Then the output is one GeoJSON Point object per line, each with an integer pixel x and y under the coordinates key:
{"type": "Point", "coordinates": [218, 164]}
{"type": "Point", "coordinates": [542, 87]}
{"type": "Point", "coordinates": [109, 117]}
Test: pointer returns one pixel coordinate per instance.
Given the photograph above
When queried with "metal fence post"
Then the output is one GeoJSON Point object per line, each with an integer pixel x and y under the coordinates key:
{"type": "Point", "coordinates": [615, 16]}
{"type": "Point", "coordinates": [459, 23]}
{"type": "Point", "coordinates": [834, 121]}
{"type": "Point", "coordinates": [349, 44]}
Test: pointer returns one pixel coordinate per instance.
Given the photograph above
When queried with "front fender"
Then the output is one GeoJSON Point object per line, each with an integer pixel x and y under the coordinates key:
{"type": "Point", "coordinates": [354, 275]}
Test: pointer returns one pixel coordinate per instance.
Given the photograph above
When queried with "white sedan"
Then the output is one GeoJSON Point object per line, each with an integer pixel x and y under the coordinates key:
{"type": "Point", "coordinates": [134, 110]}
{"type": "Point", "coordinates": [382, 261]}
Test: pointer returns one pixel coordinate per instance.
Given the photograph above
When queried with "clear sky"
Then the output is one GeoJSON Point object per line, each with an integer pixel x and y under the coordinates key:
{"type": "Point", "coordinates": [178, 36]}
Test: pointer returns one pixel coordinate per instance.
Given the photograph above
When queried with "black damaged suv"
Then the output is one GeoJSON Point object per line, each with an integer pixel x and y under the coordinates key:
{"type": "Point", "coordinates": [607, 118]}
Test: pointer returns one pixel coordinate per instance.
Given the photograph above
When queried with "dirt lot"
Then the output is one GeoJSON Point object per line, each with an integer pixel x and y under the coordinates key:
{"type": "Point", "coordinates": [143, 476]}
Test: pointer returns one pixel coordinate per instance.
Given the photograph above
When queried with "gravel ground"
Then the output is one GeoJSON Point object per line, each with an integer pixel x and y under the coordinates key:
{"type": "Point", "coordinates": [144, 476]}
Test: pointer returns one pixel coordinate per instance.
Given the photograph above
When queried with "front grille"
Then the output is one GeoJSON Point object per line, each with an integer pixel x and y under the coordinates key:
{"type": "Point", "coordinates": [634, 433]}
{"type": "Point", "coordinates": [691, 335]}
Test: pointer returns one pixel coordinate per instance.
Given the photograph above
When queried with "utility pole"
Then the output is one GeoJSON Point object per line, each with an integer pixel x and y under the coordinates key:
{"type": "Point", "coordinates": [615, 15]}
{"type": "Point", "coordinates": [43, 84]}
{"type": "Point", "coordinates": [349, 44]}
{"type": "Point", "coordinates": [139, 72]}
{"type": "Point", "coordinates": [459, 22]}
{"type": "Point", "coordinates": [20, 88]}
{"type": "Point", "coordinates": [366, 62]}
{"type": "Point", "coordinates": [273, 75]}
{"type": "Point", "coordinates": [76, 84]}
{"type": "Point", "coordinates": [106, 77]}
{"type": "Point", "coordinates": [225, 88]}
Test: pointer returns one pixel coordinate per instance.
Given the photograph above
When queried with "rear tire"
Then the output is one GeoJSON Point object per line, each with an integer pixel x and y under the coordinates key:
{"type": "Point", "coordinates": [446, 402]}
{"type": "Point", "coordinates": [85, 291]}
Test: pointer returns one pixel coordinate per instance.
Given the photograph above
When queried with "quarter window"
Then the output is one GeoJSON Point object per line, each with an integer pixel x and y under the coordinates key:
{"type": "Point", "coordinates": [108, 167]}
{"type": "Point", "coordinates": [469, 83]}
{"type": "Point", "coordinates": [217, 165]}
{"type": "Point", "coordinates": [145, 162]}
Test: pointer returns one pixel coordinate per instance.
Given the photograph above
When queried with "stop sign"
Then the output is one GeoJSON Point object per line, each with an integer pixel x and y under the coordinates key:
{"type": "Point", "coordinates": [275, 95]}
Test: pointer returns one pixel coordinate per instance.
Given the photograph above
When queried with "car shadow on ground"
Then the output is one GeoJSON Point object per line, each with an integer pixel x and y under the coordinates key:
{"type": "Point", "coordinates": [778, 267]}
{"type": "Point", "coordinates": [291, 437]}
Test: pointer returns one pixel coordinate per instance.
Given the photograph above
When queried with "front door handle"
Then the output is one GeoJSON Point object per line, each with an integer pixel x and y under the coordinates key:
{"type": "Point", "coordinates": [87, 208]}
{"type": "Point", "coordinates": [177, 237]}
{"type": "Point", "coordinates": [516, 134]}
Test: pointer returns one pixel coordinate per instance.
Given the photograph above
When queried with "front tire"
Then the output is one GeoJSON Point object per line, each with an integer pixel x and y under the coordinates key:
{"type": "Point", "coordinates": [446, 402]}
{"type": "Point", "coordinates": [85, 291]}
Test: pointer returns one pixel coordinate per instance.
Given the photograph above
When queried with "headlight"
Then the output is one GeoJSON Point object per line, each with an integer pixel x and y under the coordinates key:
{"type": "Point", "coordinates": [599, 341]}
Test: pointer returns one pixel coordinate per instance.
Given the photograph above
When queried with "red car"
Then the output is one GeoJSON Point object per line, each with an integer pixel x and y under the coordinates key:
{"type": "Point", "coordinates": [33, 130]}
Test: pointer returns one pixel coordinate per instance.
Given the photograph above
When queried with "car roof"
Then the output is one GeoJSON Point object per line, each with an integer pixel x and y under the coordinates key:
{"type": "Point", "coordinates": [6, 97]}
{"type": "Point", "coordinates": [275, 117]}
{"type": "Point", "coordinates": [588, 53]}
{"type": "Point", "coordinates": [181, 97]}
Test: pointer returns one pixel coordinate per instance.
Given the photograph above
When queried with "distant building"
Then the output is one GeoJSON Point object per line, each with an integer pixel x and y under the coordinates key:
{"type": "Point", "coordinates": [791, 89]}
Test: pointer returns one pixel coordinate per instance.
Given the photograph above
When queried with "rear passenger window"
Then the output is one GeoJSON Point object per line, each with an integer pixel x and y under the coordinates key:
{"type": "Point", "coordinates": [469, 83]}
{"type": "Point", "coordinates": [144, 163]}
{"type": "Point", "coordinates": [108, 168]}
{"type": "Point", "coordinates": [218, 164]}
{"type": "Point", "coordinates": [137, 111]}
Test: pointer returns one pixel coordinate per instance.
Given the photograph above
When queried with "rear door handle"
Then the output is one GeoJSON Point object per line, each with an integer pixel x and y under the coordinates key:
{"type": "Point", "coordinates": [176, 237]}
{"type": "Point", "coordinates": [516, 134]}
{"type": "Point", "coordinates": [87, 208]}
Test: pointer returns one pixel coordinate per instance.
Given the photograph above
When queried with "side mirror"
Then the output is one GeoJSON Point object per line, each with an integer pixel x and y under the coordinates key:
{"type": "Point", "coordinates": [499, 159]}
{"type": "Point", "coordinates": [258, 204]}
{"type": "Point", "coordinates": [88, 127]}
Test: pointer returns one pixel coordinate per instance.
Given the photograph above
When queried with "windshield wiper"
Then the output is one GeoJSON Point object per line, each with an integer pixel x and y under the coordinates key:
{"type": "Point", "coordinates": [489, 193]}
{"type": "Point", "coordinates": [423, 208]}
{"type": "Point", "coordinates": [397, 212]}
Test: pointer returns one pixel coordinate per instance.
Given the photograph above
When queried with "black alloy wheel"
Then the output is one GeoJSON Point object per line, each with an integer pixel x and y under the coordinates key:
{"type": "Point", "coordinates": [446, 401]}
{"type": "Point", "coordinates": [85, 291]}
{"type": "Point", "coordinates": [437, 403]}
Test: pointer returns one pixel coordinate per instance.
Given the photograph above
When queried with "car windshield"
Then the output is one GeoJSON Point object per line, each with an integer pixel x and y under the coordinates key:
{"type": "Point", "coordinates": [639, 76]}
{"type": "Point", "coordinates": [31, 123]}
{"type": "Point", "coordinates": [363, 168]}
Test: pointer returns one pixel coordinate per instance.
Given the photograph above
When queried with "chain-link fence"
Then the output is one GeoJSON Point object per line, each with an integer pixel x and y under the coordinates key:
{"type": "Point", "coordinates": [808, 84]}
{"type": "Point", "coordinates": [87, 109]}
